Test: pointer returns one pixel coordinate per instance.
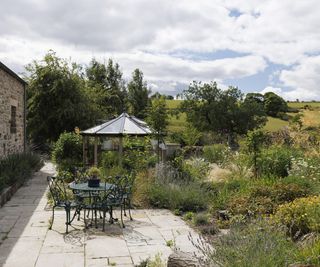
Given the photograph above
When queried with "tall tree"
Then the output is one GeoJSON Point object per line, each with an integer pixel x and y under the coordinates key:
{"type": "Point", "coordinates": [274, 104]}
{"type": "Point", "coordinates": [209, 108]}
{"type": "Point", "coordinates": [107, 88]}
{"type": "Point", "coordinates": [56, 99]}
{"type": "Point", "coordinates": [158, 118]}
{"type": "Point", "coordinates": [138, 94]}
{"type": "Point", "coordinates": [115, 86]}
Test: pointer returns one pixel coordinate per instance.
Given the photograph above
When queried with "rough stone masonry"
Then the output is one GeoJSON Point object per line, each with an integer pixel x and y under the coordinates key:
{"type": "Point", "coordinates": [12, 112]}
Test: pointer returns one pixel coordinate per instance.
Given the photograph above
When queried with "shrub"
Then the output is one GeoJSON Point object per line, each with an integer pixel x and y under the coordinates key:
{"type": "Point", "coordinates": [256, 244]}
{"type": "Point", "coordinates": [109, 159]}
{"type": "Point", "coordinates": [196, 168]}
{"type": "Point", "coordinates": [141, 188]}
{"type": "Point", "coordinates": [200, 219]}
{"type": "Point", "coordinates": [276, 161]}
{"type": "Point", "coordinates": [217, 153]}
{"type": "Point", "coordinates": [300, 216]}
{"type": "Point", "coordinates": [136, 154]}
{"type": "Point", "coordinates": [306, 167]}
{"type": "Point", "coordinates": [17, 168]}
{"type": "Point", "coordinates": [263, 198]}
{"type": "Point", "coordinates": [310, 254]}
{"type": "Point", "coordinates": [67, 151]}
{"type": "Point", "coordinates": [185, 197]}
{"type": "Point", "coordinates": [188, 216]}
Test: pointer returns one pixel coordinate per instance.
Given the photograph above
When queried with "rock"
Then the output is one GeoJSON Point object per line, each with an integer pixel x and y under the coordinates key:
{"type": "Point", "coordinates": [182, 259]}
{"type": "Point", "coordinates": [308, 240]}
{"type": "Point", "coordinates": [223, 214]}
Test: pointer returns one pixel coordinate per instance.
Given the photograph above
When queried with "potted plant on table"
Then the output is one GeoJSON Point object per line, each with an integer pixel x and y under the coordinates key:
{"type": "Point", "coordinates": [94, 173]}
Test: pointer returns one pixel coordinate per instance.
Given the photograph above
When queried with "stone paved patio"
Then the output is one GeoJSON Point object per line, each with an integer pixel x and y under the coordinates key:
{"type": "Point", "coordinates": [26, 241]}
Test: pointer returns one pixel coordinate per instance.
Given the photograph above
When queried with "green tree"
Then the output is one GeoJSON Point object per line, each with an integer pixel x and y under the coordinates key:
{"type": "Point", "coordinates": [57, 101]}
{"type": "Point", "coordinates": [138, 94]}
{"type": "Point", "coordinates": [106, 87]}
{"type": "Point", "coordinates": [96, 74]}
{"type": "Point", "coordinates": [209, 108]}
{"type": "Point", "coordinates": [158, 117]}
{"type": "Point", "coordinates": [116, 99]}
{"type": "Point", "coordinates": [257, 97]}
{"type": "Point", "coordinates": [296, 121]}
{"type": "Point", "coordinates": [255, 140]}
{"type": "Point", "coordinates": [274, 104]}
{"type": "Point", "coordinates": [191, 135]}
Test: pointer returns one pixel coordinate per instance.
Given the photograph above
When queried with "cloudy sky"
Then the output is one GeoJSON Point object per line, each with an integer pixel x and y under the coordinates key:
{"type": "Point", "coordinates": [256, 45]}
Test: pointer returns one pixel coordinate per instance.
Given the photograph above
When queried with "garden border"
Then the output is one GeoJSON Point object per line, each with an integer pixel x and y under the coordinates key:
{"type": "Point", "coordinates": [8, 192]}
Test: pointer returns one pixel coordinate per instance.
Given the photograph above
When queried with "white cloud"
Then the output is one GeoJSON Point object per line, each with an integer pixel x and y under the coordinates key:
{"type": "Point", "coordinates": [146, 33]}
{"type": "Point", "coordinates": [275, 90]}
{"type": "Point", "coordinates": [303, 79]}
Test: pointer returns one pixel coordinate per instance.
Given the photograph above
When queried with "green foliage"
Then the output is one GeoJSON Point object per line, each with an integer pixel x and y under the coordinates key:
{"type": "Point", "coordinates": [276, 161]}
{"type": "Point", "coordinates": [274, 104]}
{"type": "Point", "coordinates": [196, 169]}
{"type": "Point", "coordinates": [16, 168]}
{"type": "Point", "coordinates": [255, 140]}
{"type": "Point", "coordinates": [310, 254]}
{"type": "Point", "coordinates": [154, 262]}
{"type": "Point", "coordinates": [200, 219]}
{"type": "Point", "coordinates": [264, 199]}
{"type": "Point", "coordinates": [138, 94]}
{"type": "Point", "coordinates": [94, 172]}
{"type": "Point", "coordinates": [224, 191]}
{"type": "Point", "coordinates": [300, 216]}
{"type": "Point", "coordinates": [217, 153]}
{"type": "Point", "coordinates": [306, 167]}
{"type": "Point", "coordinates": [137, 154]}
{"type": "Point", "coordinates": [67, 151]}
{"type": "Point", "coordinates": [191, 135]}
{"type": "Point", "coordinates": [158, 116]}
{"type": "Point", "coordinates": [209, 108]}
{"type": "Point", "coordinates": [109, 159]}
{"type": "Point", "coordinates": [185, 197]}
{"type": "Point", "coordinates": [256, 244]}
{"type": "Point", "coordinates": [188, 216]}
{"type": "Point", "coordinates": [57, 101]}
{"type": "Point", "coordinates": [107, 87]}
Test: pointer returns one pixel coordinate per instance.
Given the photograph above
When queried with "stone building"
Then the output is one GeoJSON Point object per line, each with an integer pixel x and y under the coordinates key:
{"type": "Point", "coordinates": [12, 112]}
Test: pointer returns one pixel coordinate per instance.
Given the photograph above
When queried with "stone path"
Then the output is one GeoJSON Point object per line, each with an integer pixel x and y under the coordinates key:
{"type": "Point", "coordinates": [26, 241]}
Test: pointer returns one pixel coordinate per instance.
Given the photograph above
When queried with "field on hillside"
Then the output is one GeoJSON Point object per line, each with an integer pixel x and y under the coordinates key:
{"type": "Point", "coordinates": [303, 104]}
{"type": "Point", "coordinates": [310, 117]}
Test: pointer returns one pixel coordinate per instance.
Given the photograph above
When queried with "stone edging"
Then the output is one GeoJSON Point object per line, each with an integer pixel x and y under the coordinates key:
{"type": "Point", "coordinates": [8, 192]}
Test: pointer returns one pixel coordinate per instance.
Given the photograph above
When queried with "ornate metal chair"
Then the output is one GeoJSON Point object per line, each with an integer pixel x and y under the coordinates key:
{"type": "Point", "coordinates": [112, 197]}
{"type": "Point", "coordinates": [60, 199]}
{"type": "Point", "coordinates": [127, 196]}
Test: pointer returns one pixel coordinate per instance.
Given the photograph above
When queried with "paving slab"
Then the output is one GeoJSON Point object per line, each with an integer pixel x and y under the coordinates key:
{"type": "Point", "coordinates": [25, 239]}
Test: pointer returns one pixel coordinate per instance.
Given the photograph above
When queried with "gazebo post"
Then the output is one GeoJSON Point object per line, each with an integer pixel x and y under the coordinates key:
{"type": "Point", "coordinates": [120, 150]}
{"type": "Point", "coordinates": [84, 150]}
{"type": "Point", "coordinates": [95, 151]}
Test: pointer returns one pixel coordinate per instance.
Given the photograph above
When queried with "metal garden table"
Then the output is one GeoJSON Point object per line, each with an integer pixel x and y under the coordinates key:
{"type": "Point", "coordinates": [82, 190]}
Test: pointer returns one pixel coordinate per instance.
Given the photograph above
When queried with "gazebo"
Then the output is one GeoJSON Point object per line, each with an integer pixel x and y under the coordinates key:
{"type": "Point", "coordinates": [123, 125]}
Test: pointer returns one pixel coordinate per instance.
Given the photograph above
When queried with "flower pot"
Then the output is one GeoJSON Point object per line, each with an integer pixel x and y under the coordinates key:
{"type": "Point", "coordinates": [94, 182]}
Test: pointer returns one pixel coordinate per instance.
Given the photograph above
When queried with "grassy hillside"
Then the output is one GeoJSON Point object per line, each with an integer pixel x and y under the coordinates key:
{"type": "Point", "coordinates": [303, 104]}
{"type": "Point", "coordinates": [310, 117]}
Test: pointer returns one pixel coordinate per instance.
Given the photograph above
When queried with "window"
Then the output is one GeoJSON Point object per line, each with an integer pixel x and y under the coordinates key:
{"type": "Point", "coordinates": [13, 122]}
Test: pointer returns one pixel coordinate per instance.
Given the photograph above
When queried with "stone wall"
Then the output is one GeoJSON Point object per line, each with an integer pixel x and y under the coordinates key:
{"type": "Point", "coordinates": [11, 94]}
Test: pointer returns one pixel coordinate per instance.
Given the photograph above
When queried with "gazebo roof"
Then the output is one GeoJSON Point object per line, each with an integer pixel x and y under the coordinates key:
{"type": "Point", "coordinates": [122, 125]}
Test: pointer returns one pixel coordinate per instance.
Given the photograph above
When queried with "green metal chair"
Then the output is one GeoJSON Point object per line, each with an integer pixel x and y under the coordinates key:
{"type": "Point", "coordinates": [59, 195]}
{"type": "Point", "coordinates": [127, 195]}
{"type": "Point", "coordinates": [112, 197]}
